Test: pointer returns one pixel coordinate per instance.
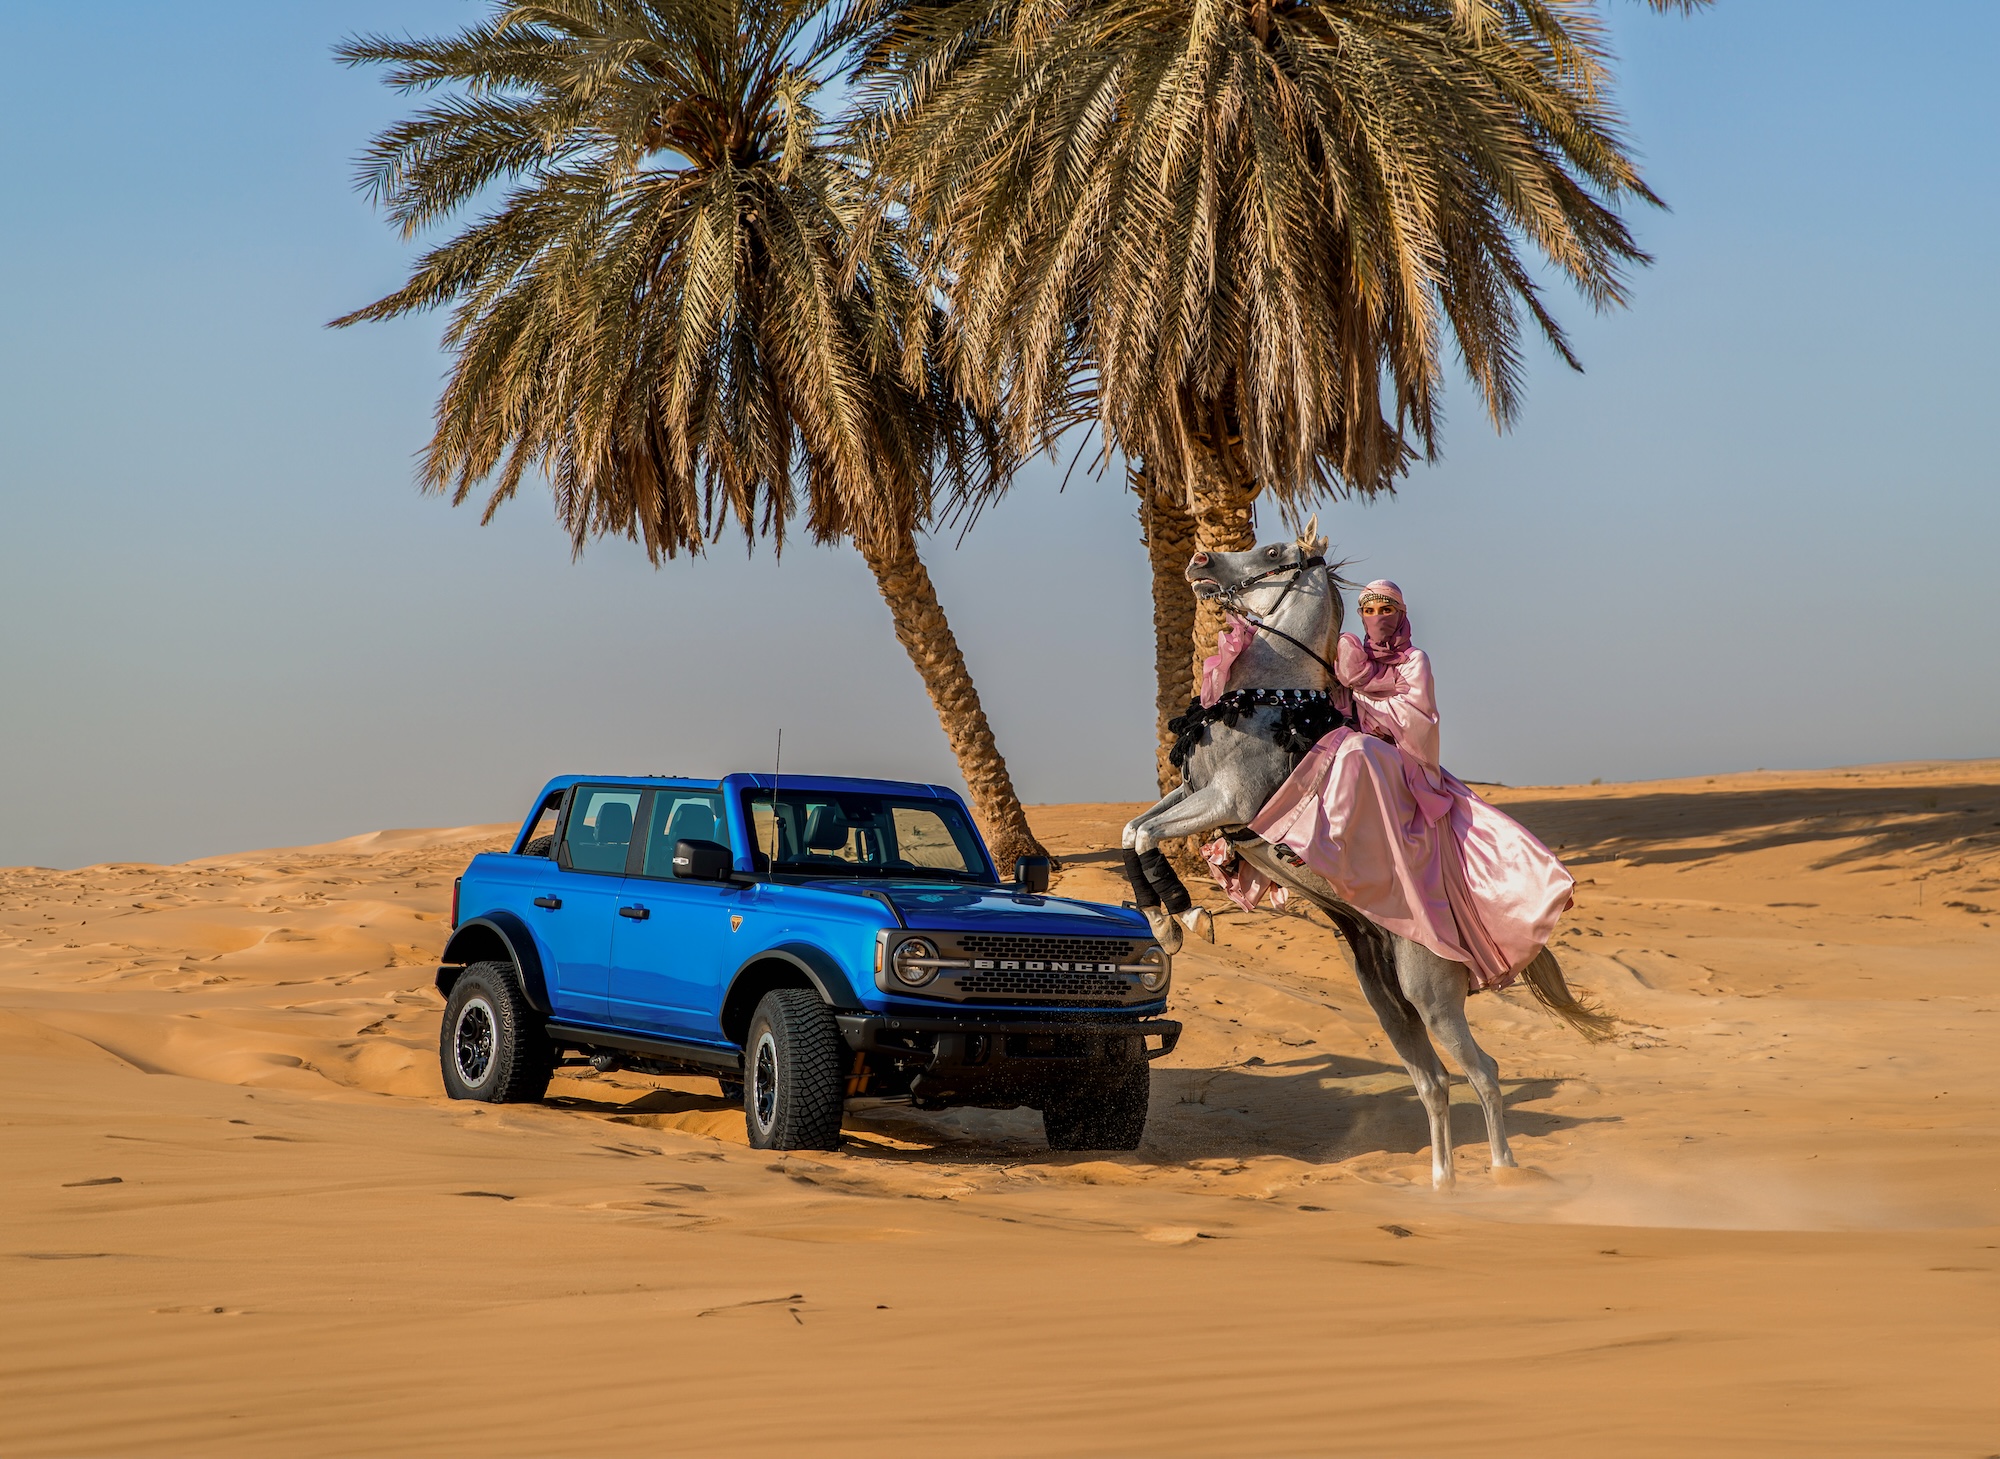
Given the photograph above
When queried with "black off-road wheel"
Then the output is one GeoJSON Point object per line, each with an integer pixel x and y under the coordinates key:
{"type": "Point", "coordinates": [793, 1077]}
{"type": "Point", "coordinates": [1104, 1112]}
{"type": "Point", "coordinates": [492, 1047]}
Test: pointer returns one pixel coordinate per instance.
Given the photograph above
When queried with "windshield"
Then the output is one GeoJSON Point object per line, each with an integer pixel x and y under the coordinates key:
{"type": "Point", "coordinates": [833, 833]}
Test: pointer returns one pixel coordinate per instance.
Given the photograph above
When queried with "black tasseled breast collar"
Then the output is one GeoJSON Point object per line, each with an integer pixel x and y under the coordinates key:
{"type": "Point", "coordinates": [1305, 716]}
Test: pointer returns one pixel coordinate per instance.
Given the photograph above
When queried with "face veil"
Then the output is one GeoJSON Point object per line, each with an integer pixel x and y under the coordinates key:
{"type": "Point", "coordinates": [1388, 637]}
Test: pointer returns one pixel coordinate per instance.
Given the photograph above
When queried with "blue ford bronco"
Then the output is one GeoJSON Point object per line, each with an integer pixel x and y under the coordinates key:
{"type": "Point", "coordinates": [803, 943]}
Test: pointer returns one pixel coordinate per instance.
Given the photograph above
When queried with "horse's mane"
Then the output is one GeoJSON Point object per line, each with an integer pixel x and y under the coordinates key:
{"type": "Point", "coordinates": [1311, 544]}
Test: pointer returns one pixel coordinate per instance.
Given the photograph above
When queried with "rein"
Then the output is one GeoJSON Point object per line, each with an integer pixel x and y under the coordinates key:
{"type": "Point", "coordinates": [1305, 716]}
{"type": "Point", "coordinates": [1231, 599]}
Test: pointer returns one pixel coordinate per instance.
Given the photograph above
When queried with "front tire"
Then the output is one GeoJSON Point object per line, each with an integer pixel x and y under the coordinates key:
{"type": "Point", "coordinates": [491, 1047]}
{"type": "Point", "coordinates": [1106, 1113]}
{"type": "Point", "coordinates": [792, 1076]}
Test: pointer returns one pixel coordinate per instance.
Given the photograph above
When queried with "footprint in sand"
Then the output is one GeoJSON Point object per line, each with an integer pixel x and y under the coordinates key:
{"type": "Point", "coordinates": [1177, 1235]}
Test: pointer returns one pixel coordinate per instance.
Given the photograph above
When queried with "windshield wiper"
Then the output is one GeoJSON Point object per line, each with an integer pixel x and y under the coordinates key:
{"type": "Point", "coordinates": [885, 873]}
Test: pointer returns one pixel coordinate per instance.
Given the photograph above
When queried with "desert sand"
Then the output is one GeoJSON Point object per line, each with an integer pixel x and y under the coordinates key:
{"type": "Point", "coordinates": [238, 1216]}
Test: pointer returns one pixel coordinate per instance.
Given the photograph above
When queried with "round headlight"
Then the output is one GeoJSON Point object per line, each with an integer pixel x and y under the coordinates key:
{"type": "Point", "coordinates": [905, 963]}
{"type": "Point", "coordinates": [1157, 970]}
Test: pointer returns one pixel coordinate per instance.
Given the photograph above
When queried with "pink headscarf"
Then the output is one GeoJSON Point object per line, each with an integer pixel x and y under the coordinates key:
{"type": "Point", "coordinates": [1388, 640]}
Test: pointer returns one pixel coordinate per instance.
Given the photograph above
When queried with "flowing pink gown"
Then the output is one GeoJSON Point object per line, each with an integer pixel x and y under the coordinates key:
{"type": "Point", "coordinates": [1403, 841]}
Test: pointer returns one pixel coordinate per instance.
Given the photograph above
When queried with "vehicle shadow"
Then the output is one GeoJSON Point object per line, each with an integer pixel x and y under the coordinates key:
{"type": "Point", "coordinates": [668, 1101]}
{"type": "Point", "coordinates": [1317, 1108]}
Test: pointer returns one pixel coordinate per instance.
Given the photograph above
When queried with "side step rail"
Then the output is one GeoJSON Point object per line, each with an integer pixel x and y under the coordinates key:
{"type": "Point", "coordinates": [702, 1057]}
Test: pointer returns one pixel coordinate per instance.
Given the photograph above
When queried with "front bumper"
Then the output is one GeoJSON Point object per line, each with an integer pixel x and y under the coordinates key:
{"type": "Point", "coordinates": [1004, 1063]}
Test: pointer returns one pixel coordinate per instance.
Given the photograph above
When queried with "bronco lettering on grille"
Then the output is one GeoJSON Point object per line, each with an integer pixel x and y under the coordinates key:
{"type": "Point", "coordinates": [983, 963]}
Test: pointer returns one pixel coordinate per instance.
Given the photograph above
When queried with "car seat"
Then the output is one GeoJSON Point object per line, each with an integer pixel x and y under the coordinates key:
{"type": "Point", "coordinates": [614, 824]}
{"type": "Point", "coordinates": [691, 821]}
{"type": "Point", "coordinates": [613, 835]}
{"type": "Point", "coordinates": [827, 832]}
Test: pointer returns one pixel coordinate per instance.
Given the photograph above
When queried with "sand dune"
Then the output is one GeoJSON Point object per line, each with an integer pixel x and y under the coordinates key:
{"type": "Point", "coordinates": [239, 1217]}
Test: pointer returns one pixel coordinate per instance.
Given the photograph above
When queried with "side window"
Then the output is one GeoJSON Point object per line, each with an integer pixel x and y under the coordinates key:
{"type": "Point", "coordinates": [682, 815]}
{"type": "Point", "coordinates": [542, 835]}
{"type": "Point", "coordinates": [599, 832]}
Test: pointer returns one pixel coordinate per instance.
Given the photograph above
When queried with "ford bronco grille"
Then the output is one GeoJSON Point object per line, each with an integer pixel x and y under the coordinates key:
{"type": "Point", "coordinates": [1093, 987]}
{"type": "Point", "coordinates": [1045, 949]}
{"type": "Point", "coordinates": [1003, 967]}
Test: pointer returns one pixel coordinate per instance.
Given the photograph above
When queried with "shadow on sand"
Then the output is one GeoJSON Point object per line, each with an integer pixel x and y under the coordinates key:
{"type": "Point", "coordinates": [654, 1102]}
{"type": "Point", "coordinates": [1643, 829]}
{"type": "Point", "coordinates": [1320, 1109]}
{"type": "Point", "coordinates": [1317, 1108]}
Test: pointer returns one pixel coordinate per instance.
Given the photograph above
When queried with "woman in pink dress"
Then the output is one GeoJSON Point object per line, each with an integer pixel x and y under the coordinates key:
{"type": "Point", "coordinates": [1399, 837]}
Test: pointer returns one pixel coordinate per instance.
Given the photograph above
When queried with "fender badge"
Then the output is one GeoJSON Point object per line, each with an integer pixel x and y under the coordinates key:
{"type": "Point", "coordinates": [735, 923]}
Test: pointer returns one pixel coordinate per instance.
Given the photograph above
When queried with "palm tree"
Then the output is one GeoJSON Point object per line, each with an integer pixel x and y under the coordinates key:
{"type": "Point", "coordinates": [1242, 224]}
{"type": "Point", "coordinates": [1168, 530]}
{"type": "Point", "coordinates": [669, 314]}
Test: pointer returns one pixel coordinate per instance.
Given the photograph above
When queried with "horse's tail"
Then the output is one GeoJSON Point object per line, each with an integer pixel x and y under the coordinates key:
{"type": "Point", "coordinates": [1545, 980]}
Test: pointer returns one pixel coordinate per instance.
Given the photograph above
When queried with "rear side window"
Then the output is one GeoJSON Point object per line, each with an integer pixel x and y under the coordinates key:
{"type": "Point", "coordinates": [599, 832]}
{"type": "Point", "coordinates": [682, 815]}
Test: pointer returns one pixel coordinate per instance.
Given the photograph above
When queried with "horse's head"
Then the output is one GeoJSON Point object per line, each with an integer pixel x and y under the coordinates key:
{"type": "Point", "coordinates": [1290, 579]}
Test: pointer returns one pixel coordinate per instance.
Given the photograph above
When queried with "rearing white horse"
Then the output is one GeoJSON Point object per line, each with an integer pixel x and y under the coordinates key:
{"type": "Point", "coordinates": [1237, 756]}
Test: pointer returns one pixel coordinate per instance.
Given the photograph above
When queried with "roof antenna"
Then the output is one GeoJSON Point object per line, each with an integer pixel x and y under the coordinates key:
{"type": "Point", "coordinates": [776, 761]}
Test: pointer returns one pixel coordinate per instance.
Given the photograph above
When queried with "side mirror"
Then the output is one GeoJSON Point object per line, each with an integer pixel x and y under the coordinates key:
{"type": "Point", "coordinates": [702, 861]}
{"type": "Point", "coordinates": [1031, 874]}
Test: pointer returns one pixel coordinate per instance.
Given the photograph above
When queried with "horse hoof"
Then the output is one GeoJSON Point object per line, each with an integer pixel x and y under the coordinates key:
{"type": "Point", "coordinates": [1200, 921]}
{"type": "Point", "coordinates": [1166, 931]}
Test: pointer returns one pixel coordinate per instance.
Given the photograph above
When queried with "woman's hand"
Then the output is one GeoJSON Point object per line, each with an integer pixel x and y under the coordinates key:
{"type": "Point", "coordinates": [1356, 671]}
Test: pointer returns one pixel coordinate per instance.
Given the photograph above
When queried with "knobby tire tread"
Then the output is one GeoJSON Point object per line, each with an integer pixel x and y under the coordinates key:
{"type": "Point", "coordinates": [812, 1074]}
{"type": "Point", "coordinates": [521, 1049]}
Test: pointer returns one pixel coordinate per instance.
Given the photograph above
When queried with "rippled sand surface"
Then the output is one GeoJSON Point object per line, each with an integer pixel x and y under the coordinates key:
{"type": "Point", "coordinates": [238, 1217]}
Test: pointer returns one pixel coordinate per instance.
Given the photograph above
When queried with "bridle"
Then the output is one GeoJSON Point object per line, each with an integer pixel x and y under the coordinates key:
{"type": "Point", "coordinates": [1231, 599]}
{"type": "Point", "coordinates": [1304, 716]}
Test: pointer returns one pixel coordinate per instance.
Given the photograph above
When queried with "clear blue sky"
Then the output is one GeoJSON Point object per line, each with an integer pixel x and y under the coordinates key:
{"type": "Point", "coordinates": [1756, 533]}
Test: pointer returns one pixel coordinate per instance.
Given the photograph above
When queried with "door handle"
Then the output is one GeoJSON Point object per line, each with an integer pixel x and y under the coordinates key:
{"type": "Point", "coordinates": [637, 914]}
{"type": "Point", "coordinates": [552, 903]}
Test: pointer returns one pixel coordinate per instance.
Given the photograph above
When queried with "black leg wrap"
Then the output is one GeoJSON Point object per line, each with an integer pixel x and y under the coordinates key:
{"type": "Point", "coordinates": [1143, 895]}
{"type": "Point", "coordinates": [1166, 881]}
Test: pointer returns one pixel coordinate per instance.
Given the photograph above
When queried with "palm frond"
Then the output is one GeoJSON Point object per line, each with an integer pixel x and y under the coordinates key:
{"type": "Point", "coordinates": [1255, 228]}
{"type": "Point", "coordinates": [668, 307]}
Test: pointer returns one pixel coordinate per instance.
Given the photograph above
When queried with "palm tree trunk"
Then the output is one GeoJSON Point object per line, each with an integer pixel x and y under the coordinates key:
{"type": "Point", "coordinates": [925, 634]}
{"type": "Point", "coordinates": [1168, 532]}
{"type": "Point", "coordinates": [1221, 508]}
{"type": "Point", "coordinates": [1218, 518]}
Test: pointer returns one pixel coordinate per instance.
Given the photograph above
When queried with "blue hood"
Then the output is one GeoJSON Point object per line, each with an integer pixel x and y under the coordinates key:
{"type": "Point", "coordinates": [934, 907]}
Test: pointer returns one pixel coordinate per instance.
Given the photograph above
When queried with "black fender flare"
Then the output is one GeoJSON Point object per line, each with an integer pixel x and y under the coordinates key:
{"type": "Point", "coordinates": [818, 967]}
{"type": "Point", "coordinates": [495, 936]}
